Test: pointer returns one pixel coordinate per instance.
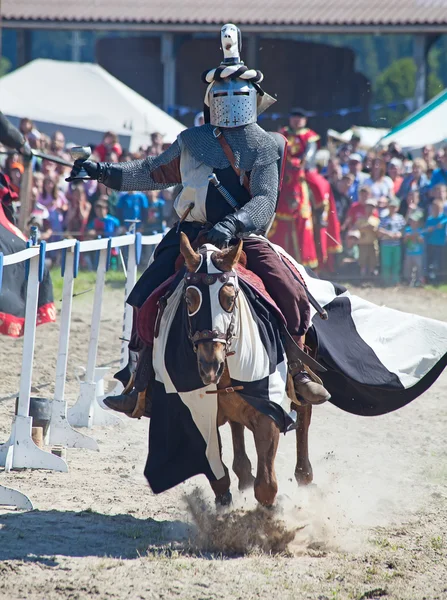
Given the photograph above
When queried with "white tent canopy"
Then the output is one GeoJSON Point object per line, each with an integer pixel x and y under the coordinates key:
{"type": "Point", "coordinates": [369, 136]}
{"type": "Point", "coordinates": [427, 125]}
{"type": "Point", "coordinates": [85, 101]}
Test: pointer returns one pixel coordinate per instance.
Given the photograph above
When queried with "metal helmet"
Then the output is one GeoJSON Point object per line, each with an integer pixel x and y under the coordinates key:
{"type": "Point", "coordinates": [233, 103]}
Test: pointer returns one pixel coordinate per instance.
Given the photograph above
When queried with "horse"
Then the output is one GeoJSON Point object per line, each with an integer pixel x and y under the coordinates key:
{"type": "Point", "coordinates": [212, 346]}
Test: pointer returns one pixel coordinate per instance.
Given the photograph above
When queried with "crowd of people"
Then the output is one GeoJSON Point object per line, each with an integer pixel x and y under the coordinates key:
{"type": "Point", "coordinates": [392, 211]}
{"type": "Point", "coordinates": [391, 208]}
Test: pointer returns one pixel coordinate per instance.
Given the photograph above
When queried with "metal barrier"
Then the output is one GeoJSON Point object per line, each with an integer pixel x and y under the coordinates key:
{"type": "Point", "coordinates": [20, 451]}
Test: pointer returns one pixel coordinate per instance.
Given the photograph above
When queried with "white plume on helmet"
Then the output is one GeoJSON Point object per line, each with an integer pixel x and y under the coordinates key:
{"type": "Point", "coordinates": [232, 95]}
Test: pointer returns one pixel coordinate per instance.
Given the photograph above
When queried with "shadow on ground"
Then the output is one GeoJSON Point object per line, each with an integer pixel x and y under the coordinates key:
{"type": "Point", "coordinates": [37, 534]}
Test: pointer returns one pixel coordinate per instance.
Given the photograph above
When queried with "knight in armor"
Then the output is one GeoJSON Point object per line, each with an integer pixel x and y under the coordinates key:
{"type": "Point", "coordinates": [245, 160]}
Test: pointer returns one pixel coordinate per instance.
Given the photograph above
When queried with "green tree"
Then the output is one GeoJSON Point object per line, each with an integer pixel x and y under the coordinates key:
{"type": "Point", "coordinates": [5, 65]}
{"type": "Point", "coordinates": [397, 83]}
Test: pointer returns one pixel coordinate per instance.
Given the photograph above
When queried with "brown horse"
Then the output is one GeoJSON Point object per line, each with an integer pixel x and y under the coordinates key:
{"type": "Point", "coordinates": [212, 350]}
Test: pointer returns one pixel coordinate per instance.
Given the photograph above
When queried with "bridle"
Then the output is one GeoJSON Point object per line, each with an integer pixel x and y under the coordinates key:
{"type": "Point", "coordinates": [211, 335]}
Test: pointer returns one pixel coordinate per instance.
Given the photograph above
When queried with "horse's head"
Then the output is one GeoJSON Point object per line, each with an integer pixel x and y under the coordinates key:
{"type": "Point", "coordinates": [210, 293]}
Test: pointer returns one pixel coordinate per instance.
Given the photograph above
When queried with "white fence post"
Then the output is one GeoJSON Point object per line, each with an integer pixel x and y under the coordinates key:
{"type": "Point", "coordinates": [10, 497]}
{"type": "Point", "coordinates": [61, 431]}
{"type": "Point", "coordinates": [87, 411]}
{"type": "Point", "coordinates": [20, 451]}
{"type": "Point", "coordinates": [131, 279]}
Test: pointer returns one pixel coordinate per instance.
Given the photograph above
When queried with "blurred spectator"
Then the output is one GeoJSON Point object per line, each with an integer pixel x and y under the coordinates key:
{"type": "Point", "coordinates": [380, 184]}
{"type": "Point", "coordinates": [51, 195]}
{"type": "Point", "coordinates": [382, 207]}
{"type": "Point", "coordinates": [440, 193]}
{"type": "Point", "coordinates": [103, 224]}
{"type": "Point", "coordinates": [413, 204]}
{"type": "Point", "coordinates": [436, 240]}
{"type": "Point", "coordinates": [27, 128]}
{"type": "Point", "coordinates": [39, 215]}
{"type": "Point", "coordinates": [10, 160]}
{"type": "Point", "coordinates": [349, 257]}
{"type": "Point", "coordinates": [342, 197]}
{"type": "Point", "coordinates": [333, 171]}
{"type": "Point", "coordinates": [395, 151]}
{"type": "Point", "coordinates": [357, 210]}
{"type": "Point", "coordinates": [355, 168]}
{"type": "Point", "coordinates": [355, 145]}
{"type": "Point", "coordinates": [108, 145]}
{"type": "Point", "coordinates": [58, 143]}
{"type": "Point", "coordinates": [439, 174]}
{"type": "Point", "coordinates": [418, 181]}
{"type": "Point", "coordinates": [155, 217]}
{"type": "Point", "coordinates": [78, 212]}
{"type": "Point", "coordinates": [394, 173]}
{"type": "Point", "coordinates": [343, 156]}
{"type": "Point", "coordinates": [368, 161]}
{"type": "Point", "coordinates": [368, 226]}
{"type": "Point", "coordinates": [199, 119]}
{"type": "Point", "coordinates": [156, 147]}
{"type": "Point", "coordinates": [414, 250]}
{"type": "Point", "coordinates": [126, 156]}
{"type": "Point", "coordinates": [132, 206]}
{"type": "Point", "coordinates": [390, 235]}
{"type": "Point", "coordinates": [428, 154]}
{"type": "Point", "coordinates": [38, 182]}
{"type": "Point", "coordinates": [16, 171]}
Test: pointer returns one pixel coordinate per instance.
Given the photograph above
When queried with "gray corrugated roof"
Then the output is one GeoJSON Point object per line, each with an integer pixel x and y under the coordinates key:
{"type": "Point", "coordinates": [286, 12]}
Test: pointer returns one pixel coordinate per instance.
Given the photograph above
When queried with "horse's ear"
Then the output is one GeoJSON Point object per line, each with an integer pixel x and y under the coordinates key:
{"type": "Point", "coordinates": [192, 259]}
{"type": "Point", "coordinates": [228, 258]}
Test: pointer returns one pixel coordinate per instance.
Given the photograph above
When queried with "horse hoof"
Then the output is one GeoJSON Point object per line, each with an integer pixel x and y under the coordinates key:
{"type": "Point", "coordinates": [304, 477]}
{"type": "Point", "coordinates": [224, 499]}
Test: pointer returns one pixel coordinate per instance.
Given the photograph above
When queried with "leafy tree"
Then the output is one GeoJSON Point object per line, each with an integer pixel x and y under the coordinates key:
{"type": "Point", "coordinates": [5, 66]}
{"type": "Point", "coordinates": [397, 83]}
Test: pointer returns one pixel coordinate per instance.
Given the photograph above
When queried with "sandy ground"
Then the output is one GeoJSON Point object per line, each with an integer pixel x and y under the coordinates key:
{"type": "Point", "coordinates": [374, 525]}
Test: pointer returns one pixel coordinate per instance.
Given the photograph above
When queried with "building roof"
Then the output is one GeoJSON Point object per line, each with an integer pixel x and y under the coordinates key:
{"type": "Point", "coordinates": [295, 13]}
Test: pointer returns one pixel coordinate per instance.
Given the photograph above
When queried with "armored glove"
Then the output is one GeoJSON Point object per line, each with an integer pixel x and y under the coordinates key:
{"type": "Point", "coordinates": [233, 225]}
{"type": "Point", "coordinates": [106, 173]}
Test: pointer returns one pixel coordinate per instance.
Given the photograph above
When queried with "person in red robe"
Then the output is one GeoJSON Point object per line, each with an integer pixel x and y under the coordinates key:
{"type": "Point", "coordinates": [293, 225]}
{"type": "Point", "coordinates": [307, 217]}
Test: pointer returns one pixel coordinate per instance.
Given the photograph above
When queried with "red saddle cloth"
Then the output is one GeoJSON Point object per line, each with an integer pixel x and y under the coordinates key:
{"type": "Point", "coordinates": [147, 315]}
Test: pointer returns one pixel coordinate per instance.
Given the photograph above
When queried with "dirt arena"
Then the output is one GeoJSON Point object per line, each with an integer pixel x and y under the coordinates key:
{"type": "Point", "coordinates": [374, 525]}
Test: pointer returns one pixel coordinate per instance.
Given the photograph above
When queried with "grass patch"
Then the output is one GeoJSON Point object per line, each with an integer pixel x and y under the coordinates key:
{"type": "Point", "coordinates": [86, 280]}
{"type": "Point", "coordinates": [437, 288]}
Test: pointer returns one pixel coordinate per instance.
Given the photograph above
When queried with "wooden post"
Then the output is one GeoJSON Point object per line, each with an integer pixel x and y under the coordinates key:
{"type": "Point", "coordinates": [168, 60]}
{"type": "Point", "coordinates": [420, 59]}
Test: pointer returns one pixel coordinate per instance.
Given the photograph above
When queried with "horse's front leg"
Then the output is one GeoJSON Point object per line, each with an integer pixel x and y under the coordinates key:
{"type": "Point", "coordinates": [221, 487]}
{"type": "Point", "coordinates": [303, 469]}
{"type": "Point", "coordinates": [266, 435]}
{"type": "Point", "coordinates": [241, 462]}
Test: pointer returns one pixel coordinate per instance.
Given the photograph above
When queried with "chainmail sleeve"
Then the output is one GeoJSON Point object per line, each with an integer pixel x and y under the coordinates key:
{"type": "Point", "coordinates": [264, 188]}
{"type": "Point", "coordinates": [152, 173]}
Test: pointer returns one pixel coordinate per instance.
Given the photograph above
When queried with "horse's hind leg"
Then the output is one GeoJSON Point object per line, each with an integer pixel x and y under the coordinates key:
{"type": "Point", "coordinates": [266, 434]}
{"type": "Point", "coordinates": [303, 469]}
{"type": "Point", "coordinates": [221, 487]}
{"type": "Point", "coordinates": [241, 462]}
